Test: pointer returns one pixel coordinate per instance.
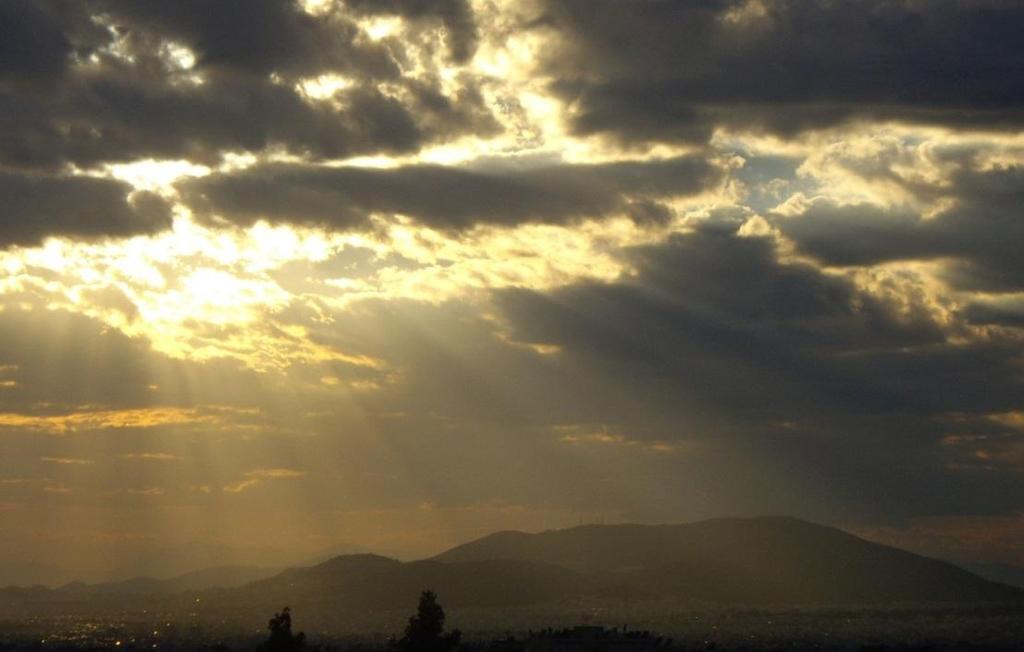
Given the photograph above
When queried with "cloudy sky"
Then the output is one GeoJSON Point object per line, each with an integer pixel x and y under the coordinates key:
{"type": "Point", "coordinates": [400, 273]}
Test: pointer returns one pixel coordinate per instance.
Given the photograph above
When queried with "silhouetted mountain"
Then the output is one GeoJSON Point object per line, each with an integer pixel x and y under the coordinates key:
{"type": "Point", "coordinates": [374, 582]}
{"type": "Point", "coordinates": [336, 550]}
{"type": "Point", "coordinates": [755, 560]}
{"type": "Point", "coordinates": [208, 578]}
{"type": "Point", "coordinates": [758, 561]}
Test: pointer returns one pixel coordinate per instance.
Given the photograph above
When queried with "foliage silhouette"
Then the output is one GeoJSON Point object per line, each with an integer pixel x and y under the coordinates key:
{"type": "Point", "coordinates": [281, 637]}
{"type": "Point", "coordinates": [425, 631]}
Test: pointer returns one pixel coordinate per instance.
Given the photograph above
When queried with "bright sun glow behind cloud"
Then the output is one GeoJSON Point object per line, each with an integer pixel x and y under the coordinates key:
{"type": "Point", "coordinates": [199, 292]}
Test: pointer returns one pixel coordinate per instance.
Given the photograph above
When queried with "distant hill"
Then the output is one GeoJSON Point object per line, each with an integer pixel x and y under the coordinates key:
{"type": "Point", "coordinates": [337, 550]}
{"type": "Point", "coordinates": [755, 561]}
{"type": "Point", "coordinates": [172, 561]}
{"type": "Point", "coordinates": [752, 560]}
{"type": "Point", "coordinates": [369, 582]}
{"type": "Point", "coordinates": [208, 578]}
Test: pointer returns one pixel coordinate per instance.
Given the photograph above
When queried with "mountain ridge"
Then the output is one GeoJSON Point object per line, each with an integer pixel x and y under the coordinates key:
{"type": "Point", "coordinates": [761, 559]}
{"type": "Point", "coordinates": [742, 561]}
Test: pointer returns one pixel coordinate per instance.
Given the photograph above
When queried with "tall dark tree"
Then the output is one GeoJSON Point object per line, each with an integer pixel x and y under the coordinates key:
{"type": "Point", "coordinates": [281, 637]}
{"type": "Point", "coordinates": [425, 631]}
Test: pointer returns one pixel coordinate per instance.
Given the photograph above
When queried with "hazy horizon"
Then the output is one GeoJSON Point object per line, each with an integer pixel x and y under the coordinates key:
{"type": "Point", "coordinates": [164, 562]}
{"type": "Point", "coordinates": [280, 276]}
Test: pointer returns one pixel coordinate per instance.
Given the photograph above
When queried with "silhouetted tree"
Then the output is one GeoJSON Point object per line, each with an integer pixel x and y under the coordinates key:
{"type": "Point", "coordinates": [425, 632]}
{"type": "Point", "coordinates": [281, 637]}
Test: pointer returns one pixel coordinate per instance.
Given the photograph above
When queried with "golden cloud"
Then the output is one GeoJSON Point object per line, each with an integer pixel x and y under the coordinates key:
{"type": "Point", "coordinates": [257, 476]}
{"type": "Point", "coordinates": [159, 457]}
{"type": "Point", "coordinates": [210, 416]}
{"type": "Point", "coordinates": [582, 436]}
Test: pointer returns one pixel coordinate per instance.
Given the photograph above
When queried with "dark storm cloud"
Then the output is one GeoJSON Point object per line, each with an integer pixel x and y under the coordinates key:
{"type": "Point", "coordinates": [257, 36]}
{"type": "Point", "coordinates": [714, 324]}
{"type": "Point", "coordinates": [101, 118]}
{"type": "Point", "coordinates": [794, 379]}
{"type": "Point", "coordinates": [114, 93]}
{"type": "Point", "coordinates": [33, 45]}
{"type": "Point", "coordinates": [449, 197]}
{"type": "Point", "coordinates": [668, 69]}
{"type": "Point", "coordinates": [981, 232]}
{"type": "Point", "coordinates": [996, 312]}
{"type": "Point", "coordinates": [35, 206]}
